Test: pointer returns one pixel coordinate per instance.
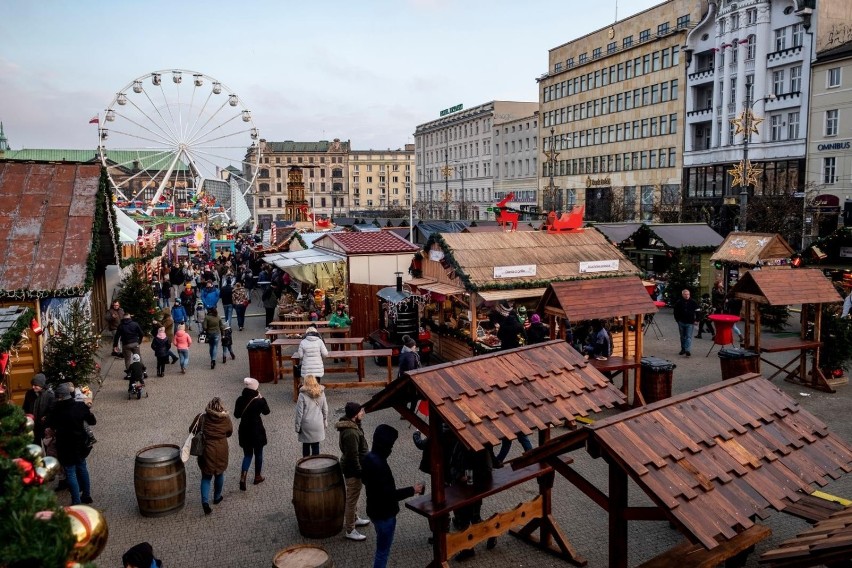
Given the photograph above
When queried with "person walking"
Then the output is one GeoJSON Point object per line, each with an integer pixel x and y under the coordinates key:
{"type": "Point", "coordinates": [704, 322]}
{"type": "Point", "coordinates": [311, 351]}
{"type": "Point", "coordinates": [382, 494]}
{"type": "Point", "coordinates": [113, 317]}
{"type": "Point", "coordinates": [249, 408]}
{"type": "Point", "coordinates": [270, 303]}
{"type": "Point", "coordinates": [187, 300]}
{"type": "Point", "coordinates": [213, 327]}
{"type": "Point", "coordinates": [217, 427]}
{"type": "Point", "coordinates": [241, 303]}
{"type": "Point", "coordinates": [39, 401]}
{"type": "Point", "coordinates": [140, 556]}
{"type": "Point", "coordinates": [209, 296]}
{"type": "Point", "coordinates": [226, 294]}
{"type": "Point", "coordinates": [311, 415]}
{"type": "Point", "coordinates": [68, 421]}
{"type": "Point", "coordinates": [161, 346]}
{"type": "Point", "coordinates": [227, 342]}
{"type": "Point", "coordinates": [165, 319]}
{"type": "Point", "coordinates": [686, 311]}
{"type": "Point", "coordinates": [183, 341]}
{"type": "Point", "coordinates": [130, 334]}
{"type": "Point", "coordinates": [179, 316]}
{"type": "Point", "coordinates": [353, 448]}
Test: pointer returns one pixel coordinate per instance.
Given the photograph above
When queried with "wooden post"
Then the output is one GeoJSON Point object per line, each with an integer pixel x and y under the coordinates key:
{"type": "Point", "coordinates": [637, 356]}
{"type": "Point", "coordinates": [617, 522]}
{"type": "Point", "coordinates": [756, 338]}
{"type": "Point", "coordinates": [437, 458]}
{"type": "Point", "coordinates": [472, 306]}
{"type": "Point", "coordinates": [817, 337]}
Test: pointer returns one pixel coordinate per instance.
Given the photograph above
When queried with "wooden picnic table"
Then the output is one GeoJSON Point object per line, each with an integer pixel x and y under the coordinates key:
{"type": "Point", "coordinates": [798, 374]}
{"type": "Point", "coordinates": [279, 360]}
{"type": "Point", "coordinates": [274, 333]}
{"type": "Point", "coordinates": [299, 323]}
{"type": "Point", "coordinates": [359, 355]}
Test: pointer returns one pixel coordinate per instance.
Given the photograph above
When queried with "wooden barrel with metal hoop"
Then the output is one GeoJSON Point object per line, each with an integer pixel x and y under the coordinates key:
{"type": "Point", "coordinates": [319, 495]}
{"type": "Point", "coordinates": [159, 478]}
{"type": "Point", "coordinates": [302, 556]}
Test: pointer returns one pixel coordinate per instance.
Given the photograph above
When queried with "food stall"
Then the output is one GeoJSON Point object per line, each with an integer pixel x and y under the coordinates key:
{"type": "Point", "coordinates": [740, 252]}
{"type": "Point", "coordinates": [475, 278]}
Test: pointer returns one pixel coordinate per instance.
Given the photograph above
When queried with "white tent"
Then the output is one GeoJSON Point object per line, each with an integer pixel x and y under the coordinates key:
{"type": "Point", "coordinates": [128, 229]}
{"type": "Point", "coordinates": [312, 266]}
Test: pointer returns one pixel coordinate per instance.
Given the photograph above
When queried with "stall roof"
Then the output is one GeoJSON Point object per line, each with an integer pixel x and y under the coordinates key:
{"type": "Point", "coordinates": [714, 457]}
{"type": "Point", "coordinates": [345, 221]}
{"type": "Point", "coordinates": [380, 242]}
{"type": "Point", "coordinates": [828, 541]}
{"type": "Point", "coordinates": [494, 397]}
{"type": "Point", "coordinates": [128, 229]}
{"type": "Point", "coordinates": [495, 228]}
{"type": "Point", "coordinates": [583, 300]}
{"type": "Point", "coordinates": [441, 288]}
{"type": "Point", "coordinates": [305, 257]}
{"type": "Point", "coordinates": [554, 256]}
{"type": "Point", "coordinates": [425, 229]}
{"type": "Point", "coordinates": [786, 287]}
{"type": "Point", "coordinates": [751, 248]}
{"type": "Point", "coordinates": [674, 235]}
{"type": "Point", "coordinates": [617, 232]}
{"type": "Point", "coordinates": [495, 295]}
{"type": "Point", "coordinates": [365, 228]}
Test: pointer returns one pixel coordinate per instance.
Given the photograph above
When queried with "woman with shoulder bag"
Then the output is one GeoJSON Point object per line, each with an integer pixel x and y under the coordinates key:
{"type": "Point", "coordinates": [252, 435]}
{"type": "Point", "coordinates": [216, 427]}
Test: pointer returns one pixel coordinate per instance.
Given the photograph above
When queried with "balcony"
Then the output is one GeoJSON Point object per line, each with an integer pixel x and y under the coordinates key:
{"type": "Point", "coordinates": [703, 75]}
{"type": "Point", "coordinates": [784, 56]}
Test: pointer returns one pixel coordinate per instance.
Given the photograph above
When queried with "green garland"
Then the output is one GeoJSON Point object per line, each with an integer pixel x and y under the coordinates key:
{"type": "Point", "coordinates": [13, 334]}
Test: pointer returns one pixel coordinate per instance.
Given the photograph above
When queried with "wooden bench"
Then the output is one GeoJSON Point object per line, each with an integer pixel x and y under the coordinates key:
{"type": "Point", "coordinates": [300, 332]}
{"type": "Point", "coordinates": [281, 362]}
{"type": "Point", "coordinates": [732, 552]}
{"type": "Point", "coordinates": [359, 355]}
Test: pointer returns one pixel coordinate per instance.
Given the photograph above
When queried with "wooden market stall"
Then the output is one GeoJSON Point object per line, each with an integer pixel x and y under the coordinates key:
{"type": "Point", "coordinates": [604, 298]}
{"type": "Point", "coordinates": [808, 287]}
{"type": "Point", "coordinates": [827, 543]}
{"type": "Point", "coordinates": [740, 252]}
{"type": "Point", "coordinates": [712, 461]}
{"type": "Point", "coordinates": [469, 274]}
{"type": "Point", "coordinates": [484, 400]}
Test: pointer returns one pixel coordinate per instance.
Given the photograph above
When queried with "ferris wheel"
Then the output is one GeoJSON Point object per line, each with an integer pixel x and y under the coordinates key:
{"type": "Point", "coordinates": [178, 140]}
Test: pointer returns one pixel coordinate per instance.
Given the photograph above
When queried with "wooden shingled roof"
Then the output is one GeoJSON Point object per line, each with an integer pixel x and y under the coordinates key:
{"type": "Point", "coordinates": [715, 457]}
{"type": "Point", "coordinates": [583, 300]}
{"type": "Point", "coordinates": [786, 287]}
{"type": "Point", "coordinates": [752, 248]}
{"type": "Point", "coordinates": [493, 397]}
{"type": "Point", "coordinates": [555, 256]}
{"type": "Point", "coordinates": [828, 541]}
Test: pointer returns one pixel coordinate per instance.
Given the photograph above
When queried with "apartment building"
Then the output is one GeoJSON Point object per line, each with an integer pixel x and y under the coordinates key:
{"type": "Point", "coordinates": [380, 180]}
{"type": "Point", "coordinates": [612, 114]}
{"type": "Point", "coordinates": [462, 155]}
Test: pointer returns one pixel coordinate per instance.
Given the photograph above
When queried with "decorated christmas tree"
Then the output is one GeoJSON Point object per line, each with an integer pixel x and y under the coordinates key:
{"type": "Point", "coordinates": [71, 351]}
{"type": "Point", "coordinates": [137, 298]}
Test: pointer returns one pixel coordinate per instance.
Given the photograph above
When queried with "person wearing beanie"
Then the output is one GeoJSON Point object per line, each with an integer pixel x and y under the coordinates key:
{"type": "Point", "coordinates": [140, 556]}
{"type": "Point", "coordinates": [227, 342]}
{"type": "Point", "coordinates": [311, 351]}
{"type": "Point", "coordinates": [129, 334]}
{"type": "Point", "coordinates": [537, 331]}
{"type": "Point", "coordinates": [68, 420]}
{"type": "Point", "coordinates": [178, 313]}
{"type": "Point", "coordinates": [39, 401]}
{"type": "Point", "coordinates": [382, 494]}
{"type": "Point", "coordinates": [353, 448]}
{"type": "Point", "coordinates": [249, 408]}
{"type": "Point", "coordinates": [136, 373]}
{"type": "Point", "coordinates": [161, 346]}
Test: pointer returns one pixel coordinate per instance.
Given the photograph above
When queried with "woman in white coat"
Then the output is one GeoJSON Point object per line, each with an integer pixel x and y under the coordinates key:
{"type": "Point", "coordinates": [311, 351]}
{"type": "Point", "coordinates": [311, 415]}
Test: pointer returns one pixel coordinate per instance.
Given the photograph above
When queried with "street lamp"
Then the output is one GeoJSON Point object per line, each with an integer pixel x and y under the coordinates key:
{"type": "Point", "coordinates": [744, 174]}
{"type": "Point", "coordinates": [551, 192]}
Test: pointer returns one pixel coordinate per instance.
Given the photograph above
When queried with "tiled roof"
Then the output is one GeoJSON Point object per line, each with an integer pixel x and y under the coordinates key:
{"type": "Point", "coordinates": [493, 397]}
{"type": "Point", "coordinates": [290, 146]}
{"type": "Point", "coordinates": [828, 541]}
{"type": "Point", "coordinates": [750, 248]}
{"type": "Point", "coordinates": [371, 243]}
{"type": "Point", "coordinates": [785, 287]}
{"type": "Point", "coordinates": [9, 317]}
{"type": "Point", "coordinates": [584, 300]}
{"type": "Point", "coordinates": [715, 457]}
{"type": "Point", "coordinates": [46, 219]}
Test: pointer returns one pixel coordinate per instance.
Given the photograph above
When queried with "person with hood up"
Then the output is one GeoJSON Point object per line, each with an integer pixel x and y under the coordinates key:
{"type": "Point", "coordinates": [227, 342]}
{"type": "Point", "coordinates": [311, 351]}
{"type": "Point", "coordinates": [251, 435]}
{"type": "Point", "coordinates": [353, 448]}
{"type": "Point", "coordinates": [213, 461]}
{"type": "Point", "coordinates": [382, 494]}
{"type": "Point", "coordinates": [311, 415]}
{"type": "Point", "coordinates": [39, 401]}
{"type": "Point", "coordinates": [537, 331]}
{"type": "Point", "coordinates": [161, 346]}
{"type": "Point", "coordinates": [209, 296]}
{"type": "Point", "coordinates": [510, 331]}
{"type": "Point", "coordinates": [68, 420]}
{"type": "Point", "coordinates": [183, 341]}
{"type": "Point", "coordinates": [140, 556]}
{"type": "Point", "coordinates": [130, 334]}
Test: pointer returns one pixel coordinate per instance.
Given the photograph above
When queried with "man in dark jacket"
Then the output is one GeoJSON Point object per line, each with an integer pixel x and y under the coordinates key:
{"type": "Point", "coordinates": [382, 494]}
{"type": "Point", "coordinates": [130, 334]}
{"type": "Point", "coordinates": [68, 420]}
{"type": "Point", "coordinates": [353, 448]}
{"type": "Point", "coordinates": [686, 311]}
{"type": "Point", "coordinates": [39, 401]}
{"type": "Point", "coordinates": [510, 331]}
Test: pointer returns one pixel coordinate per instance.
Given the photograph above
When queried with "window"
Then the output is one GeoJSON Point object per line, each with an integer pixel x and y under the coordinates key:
{"type": "Point", "coordinates": [722, 26]}
{"type": "Point", "coordinates": [674, 89]}
{"type": "Point", "coordinates": [627, 42]}
{"type": "Point", "coordinates": [610, 47]}
{"type": "Point", "coordinates": [793, 125]}
{"type": "Point", "coordinates": [750, 87]}
{"type": "Point", "coordinates": [596, 53]}
{"type": "Point", "coordinates": [683, 21]}
{"type": "Point", "coordinates": [557, 67]}
{"type": "Point", "coordinates": [775, 127]}
{"type": "Point", "coordinates": [570, 62]}
{"type": "Point", "coordinates": [797, 34]}
{"type": "Point", "coordinates": [778, 82]}
{"type": "Point", "coordinates": [751, 16]}
{"type": "Point", "coordinates": [831, 120]}
{"type": "Point", "coordinates": [829, 170]}
{"type": "Point", "coordinates": [833, 77]}
{"type": "Point", "coordinates": [780, 39]}
{"type": "Point", "coordinates": [735, 52]}
{"type": "Point", "coordinates": [644, 35]}
{"type": "Point", "coordinates": [751, 47]}
{"type": "Point", "coordinates": [582, 58]}
{"type": "Point", "coordinates": [796, 79]}
{"type": "Point", "coordinates": [663, 29]}
{"type": "Point", "coordinates": [667, 59]}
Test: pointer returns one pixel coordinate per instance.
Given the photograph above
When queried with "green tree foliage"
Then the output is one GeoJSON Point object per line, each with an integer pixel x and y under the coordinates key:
{"type": "Point", "coordinates": [137, 298]}
{"type": "Point", "coordinates": [836, 335]}
{"type": "Point", "coordinates": [71, 351]}
{"type": "Point", "coordinates": [682, 274]}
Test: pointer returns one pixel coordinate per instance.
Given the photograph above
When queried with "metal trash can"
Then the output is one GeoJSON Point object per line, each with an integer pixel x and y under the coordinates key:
{"type": "Point", "coordinates": [656, 383]}
{"type": "Point", "coordinates": [736, 361]}
{"type": "Point", "coordinates": [260, 360]}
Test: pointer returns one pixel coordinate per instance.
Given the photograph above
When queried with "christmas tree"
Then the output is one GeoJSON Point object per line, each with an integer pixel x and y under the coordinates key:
{"type": "Point", "coordinates": [137, 298]}
{"type": "Point", "coordinates": [71, 352]}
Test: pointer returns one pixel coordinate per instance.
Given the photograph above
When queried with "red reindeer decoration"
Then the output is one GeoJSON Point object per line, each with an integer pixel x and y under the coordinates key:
{"type": "Point", "coordinates": [504, 216]}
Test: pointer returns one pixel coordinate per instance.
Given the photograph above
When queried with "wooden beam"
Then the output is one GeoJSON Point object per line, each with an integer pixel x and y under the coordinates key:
{"type": "Point", "coordinates": [696, 556]}
{"type": "Point", "coordinates": [495, 525]}
{"type": "Point", "coordinates": [588, 489]}
{"type": "Point", "coordinates": [559, 445]}
{"type": "Point", "coordinates": [617, 521]}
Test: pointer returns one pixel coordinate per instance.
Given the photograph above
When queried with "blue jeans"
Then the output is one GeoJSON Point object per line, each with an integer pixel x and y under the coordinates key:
{"type": "Point", "coordinates": [78, 481]}
{"type": "Point", "coordinates": [183, 355]}
{"type": "Point", "coordinates": [213, 344]}
{"type": "Point", "coordinates": [310, 449]}
{"type": "Point", "coordinates": [229, 308]}
{"type": "Point", "coordinates": [241, 315]}
{"type": "Point", "coordinates": [258, 459]}
{"type": "Point", "coordinates": [685, 330]}
{"type": "Point", "coordinates": [384, 539]}
{"type": "Point", "coordinates": [506, 445]}
{"type": "Point", "coordinates": [218, 485]}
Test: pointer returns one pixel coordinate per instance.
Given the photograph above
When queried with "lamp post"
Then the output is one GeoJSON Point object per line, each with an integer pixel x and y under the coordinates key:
{"type": "Point", "coordinates": [445, 171]}
{"type": "Point", "coordinates": [550, 201]}
{"type": "Point", "coordinates": [744, 174]}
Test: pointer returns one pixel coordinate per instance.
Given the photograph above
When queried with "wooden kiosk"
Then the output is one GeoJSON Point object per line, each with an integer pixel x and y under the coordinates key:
{"type": "Point", "coordinates": [808, 287]}
{"type": "Point", "coordinates": [484, 400]}
{"type": "Point", "coordinates": [603, 298]}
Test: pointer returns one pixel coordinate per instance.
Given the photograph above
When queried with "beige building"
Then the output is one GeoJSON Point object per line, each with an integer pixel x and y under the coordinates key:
{"type": "Point", "coordinates": [612, 108]}
{"type": "Point", "coordinates": [380, 180]}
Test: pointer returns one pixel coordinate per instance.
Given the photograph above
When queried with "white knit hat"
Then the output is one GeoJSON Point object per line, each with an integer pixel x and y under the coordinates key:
{"type": "Point", "coordinates": [251, 383]}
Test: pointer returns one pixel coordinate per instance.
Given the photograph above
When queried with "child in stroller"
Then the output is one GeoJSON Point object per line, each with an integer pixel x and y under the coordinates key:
{"type": "Point", "coordinates": [136, 376]}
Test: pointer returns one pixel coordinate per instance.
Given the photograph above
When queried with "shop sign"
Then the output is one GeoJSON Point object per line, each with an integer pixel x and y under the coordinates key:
{"type": "Point", "coordinates": [595, 182]}
{"type": "Point", "coordinates": [599, 266]}
{"type": "Point", "coordinates": [834, 146]}
{"type": "Point", "coordinates": [846, 252]}
{"type": "Point", "coordinates": [514, 271]}
{"type": "Point", "coordinates": [447, 111]}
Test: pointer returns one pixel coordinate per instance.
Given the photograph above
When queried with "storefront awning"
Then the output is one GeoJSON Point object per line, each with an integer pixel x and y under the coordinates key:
{"type": "Point", "coordinates": [495, 295]}
{"type": "Point", "coordinates": [441, 288]}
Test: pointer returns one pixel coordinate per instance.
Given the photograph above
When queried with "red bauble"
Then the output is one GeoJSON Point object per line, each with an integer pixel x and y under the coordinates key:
{"type": "Point", "coordinates": [29, 476]}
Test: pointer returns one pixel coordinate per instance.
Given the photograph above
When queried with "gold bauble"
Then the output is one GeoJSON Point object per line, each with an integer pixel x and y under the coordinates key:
{"type": "Point", "coordinates": [90, 531]}
{"type": "Point", "coordinates": [51, 466]}
{"type": "Point", "coordinates": [29, 425]}
{"type": "Point", "coordinates": [35, 452]}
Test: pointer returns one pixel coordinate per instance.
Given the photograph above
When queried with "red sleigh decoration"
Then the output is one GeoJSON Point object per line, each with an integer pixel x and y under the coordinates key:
{"type": "Point", "coordinates": [571, 222]}
{"type": "Point", "coordinates": [320, 223]}
{"type": "Point", "coordinates": [505, 217]}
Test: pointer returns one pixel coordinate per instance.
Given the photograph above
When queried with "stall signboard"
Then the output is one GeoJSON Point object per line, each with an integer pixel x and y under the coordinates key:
{"type": "Point", "coordinates": [599, 266]}
{"type": "Point", "coordinates": [515, 271]}
{"type": "Point", "coordinates": [846, 252]}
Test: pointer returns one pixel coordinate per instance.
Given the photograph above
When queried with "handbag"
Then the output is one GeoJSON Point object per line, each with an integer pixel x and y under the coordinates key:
{"type": "Point", "coordinates": [196, 441]}
{"type": "Point", "coordinates": [88, 443]}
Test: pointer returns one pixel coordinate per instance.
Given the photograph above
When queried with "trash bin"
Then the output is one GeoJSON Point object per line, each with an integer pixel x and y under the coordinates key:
{"type": "Point", "coordinates": [736, 361]}
{"type": "Point", "coordinates": [656, 383]}
{"type": "Point", "coordinates": [260, 360]}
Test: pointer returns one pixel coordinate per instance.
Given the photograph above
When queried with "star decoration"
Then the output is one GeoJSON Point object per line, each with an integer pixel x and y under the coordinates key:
{"type": "Point", "coordinates": [745, 118]}
{"type": "Point", "coordinates": [551, 155]}
{"type": "Point", "coordinates": [446, 171]}
{"type": "Point", "coordinates": [737, 174]}
{"type": "Point", "coordinates": [744, 175]}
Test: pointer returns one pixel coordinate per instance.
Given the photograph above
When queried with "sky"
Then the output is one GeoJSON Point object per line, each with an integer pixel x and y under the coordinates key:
{"type": "Point", "coordinates": [368, 71]}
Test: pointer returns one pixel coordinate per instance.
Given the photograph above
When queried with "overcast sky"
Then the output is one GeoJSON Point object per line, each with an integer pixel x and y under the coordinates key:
{"type": "Point", "coordinates": [366, 71]}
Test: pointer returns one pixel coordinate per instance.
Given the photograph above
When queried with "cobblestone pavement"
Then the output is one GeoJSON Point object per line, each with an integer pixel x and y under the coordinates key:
{"type": "Point", "coordinates": [248, 528]}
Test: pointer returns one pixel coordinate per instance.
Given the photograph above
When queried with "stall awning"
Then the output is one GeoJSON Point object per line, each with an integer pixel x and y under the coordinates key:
{"type": "Point", "coordinates": [495, 295]}
{"type": "Point", "coordinates": [441, 288]}
{"type": "Point", "coordinates": [313, 266]}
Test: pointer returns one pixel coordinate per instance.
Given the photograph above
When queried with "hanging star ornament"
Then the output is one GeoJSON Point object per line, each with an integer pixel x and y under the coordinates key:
{"type": "Point", "coordinates": [744, 120]}
{"type": "Point", "coordinates": [752, 174]}
{"type": "Point", "coordinates": [744, 175]}
{"type": "Point", "coordinates": [737, 174]}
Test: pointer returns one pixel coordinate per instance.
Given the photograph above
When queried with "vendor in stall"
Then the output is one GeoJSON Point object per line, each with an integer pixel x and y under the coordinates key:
{"type": "Point", "coordinates": [600, 343]}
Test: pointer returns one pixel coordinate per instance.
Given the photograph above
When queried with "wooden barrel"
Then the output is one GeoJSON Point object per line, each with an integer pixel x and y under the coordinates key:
{"type": "Point", "coordinates": [319, 496]}
{"type": "Point", "coordinates": [302, 556]}
{"type": "Point", "coordinates": [160, 480]}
